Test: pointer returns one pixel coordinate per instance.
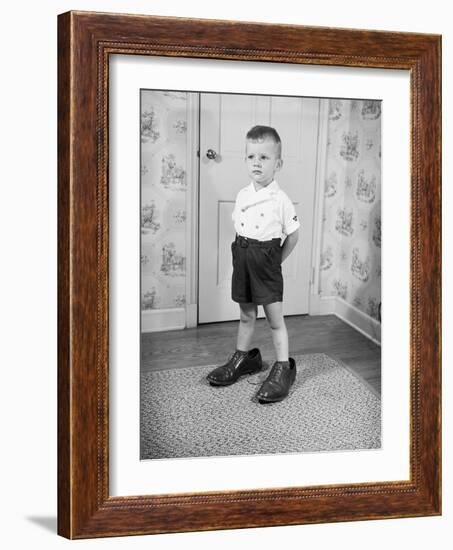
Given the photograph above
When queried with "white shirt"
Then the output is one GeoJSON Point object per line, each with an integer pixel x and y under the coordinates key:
{"type": "Point", "coordinates": [265, 214]}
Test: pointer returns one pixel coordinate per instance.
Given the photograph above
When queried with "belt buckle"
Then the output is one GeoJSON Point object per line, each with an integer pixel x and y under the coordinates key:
{"type": "Point", "coordinates": [243, 242]}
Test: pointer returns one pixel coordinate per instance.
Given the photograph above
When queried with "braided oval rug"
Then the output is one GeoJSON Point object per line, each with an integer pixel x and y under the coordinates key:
{"type": "Point", "coordinates": [328, 409]}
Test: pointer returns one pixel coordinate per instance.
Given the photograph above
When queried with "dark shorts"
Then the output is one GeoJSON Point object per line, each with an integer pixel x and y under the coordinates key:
{"type": "Point", "coordinates": [257, 271]}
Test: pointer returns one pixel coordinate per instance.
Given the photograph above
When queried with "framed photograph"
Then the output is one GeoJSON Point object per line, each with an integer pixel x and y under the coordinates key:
{"type": "Point", "coordinates": [249, 275]}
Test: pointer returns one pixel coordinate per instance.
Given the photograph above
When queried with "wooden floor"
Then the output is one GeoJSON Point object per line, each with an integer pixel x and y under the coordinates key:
{"type": "Point", "coordinates": [211, 344]}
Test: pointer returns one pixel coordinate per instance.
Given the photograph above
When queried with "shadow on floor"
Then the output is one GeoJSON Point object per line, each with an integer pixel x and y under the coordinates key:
{"type": "Point", "coordinates": [49, 523]}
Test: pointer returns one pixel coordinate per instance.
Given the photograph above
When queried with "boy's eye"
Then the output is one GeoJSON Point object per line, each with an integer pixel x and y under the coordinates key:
{"type": "Point", "coordinates": [261, 157]}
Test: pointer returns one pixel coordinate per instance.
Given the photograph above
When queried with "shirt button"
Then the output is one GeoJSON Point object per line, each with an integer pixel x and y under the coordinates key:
{"type": "Point", "coordinates": [262, 214]}
{"type": "Point", "coordinates": [242, 209]}
{"type": "Point", "coordinates": [256, 227]}
{"type": "Point", "coordinates": [242, 224]}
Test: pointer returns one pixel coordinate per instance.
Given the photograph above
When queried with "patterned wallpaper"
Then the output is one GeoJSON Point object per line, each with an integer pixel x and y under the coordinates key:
{"type": "Point", "coordinates": [350, 261]}
{"type": "Point", "coordinates": [163, 198]}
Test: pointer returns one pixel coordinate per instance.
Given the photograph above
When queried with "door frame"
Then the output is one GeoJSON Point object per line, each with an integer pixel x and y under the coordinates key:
{"type": "Point", "coordinates": [320, 178]}
{"type": "Point", "coordinates": [192, 209]}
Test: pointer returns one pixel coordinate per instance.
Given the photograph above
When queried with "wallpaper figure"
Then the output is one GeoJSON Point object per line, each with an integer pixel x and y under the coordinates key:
{"type": "Point", "coordinates": [377, 231]}
{"type": "Point", "coordinates": [326, 259]}
{"type": "Point", "coordinates": [340, 288]}
{"type": "Point", "coordinates": [371, 110]}
{"type": "Point", "coordinates": [148, 128]}
{"type": "Point", "coordinates": [149, 299]}
{"type": "Point", "coordinates": [343, 223]}
{"type": "Point", "coordinates": [366, 188]}
{"type": "Point", "coordinates": [144, 259]}
{"type": "Point", "coordinates": [149, 214]}
{"type": "Point", "coordinates": [374, 308]}
{"type": "Point", "coordinates": [360, 269]}
{"type": "Point", "coordinates": [172, 263]}
{"type": "Point", "coordinates": [350, 146]}
{"type": "Point", "coordinates": [180, 126]}
{"type": "Point", "coordinates": [180, 300]}
{"type": "Point", "coordinates": [180, 216]}
{"type": "Point", "coordinates": [173, 176]}
{"type": "Point", "coordinates": [330, 188]}
{"type": "Point", "coordinates": [335, 107]}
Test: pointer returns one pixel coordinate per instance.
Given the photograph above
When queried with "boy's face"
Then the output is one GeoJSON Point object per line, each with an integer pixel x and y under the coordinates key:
{"type": "Point", "coordinates": [262, 160]}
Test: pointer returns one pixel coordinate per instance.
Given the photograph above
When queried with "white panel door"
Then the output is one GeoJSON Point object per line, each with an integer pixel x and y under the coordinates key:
{"type": "Point", "coordinates": [224, 122]}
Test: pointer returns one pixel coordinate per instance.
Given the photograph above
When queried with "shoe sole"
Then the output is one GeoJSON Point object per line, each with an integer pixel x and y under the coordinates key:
{"type": "Point", "coordinates": [263, 400]}
{"type": "Point", "coordinates": [215, 383]}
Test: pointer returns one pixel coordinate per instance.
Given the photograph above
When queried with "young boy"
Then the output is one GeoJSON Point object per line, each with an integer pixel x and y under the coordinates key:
{"type": "Point", "coordinates": [262, 215]}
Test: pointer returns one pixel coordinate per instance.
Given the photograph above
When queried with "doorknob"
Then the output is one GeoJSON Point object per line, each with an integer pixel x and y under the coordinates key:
{"type": "Point", "coordinates": [211, 154]}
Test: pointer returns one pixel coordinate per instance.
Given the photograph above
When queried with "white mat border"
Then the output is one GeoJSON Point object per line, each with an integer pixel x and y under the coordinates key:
{"type": "Point", "coordinates": [128, 475]}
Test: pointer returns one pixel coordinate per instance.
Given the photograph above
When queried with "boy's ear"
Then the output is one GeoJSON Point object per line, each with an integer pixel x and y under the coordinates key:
{"type": "Point", "coordinates": [279, 164]}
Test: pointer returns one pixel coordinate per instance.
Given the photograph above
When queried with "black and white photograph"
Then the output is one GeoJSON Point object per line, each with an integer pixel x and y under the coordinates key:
{"type": "Point", "coordinates": [260, 281]}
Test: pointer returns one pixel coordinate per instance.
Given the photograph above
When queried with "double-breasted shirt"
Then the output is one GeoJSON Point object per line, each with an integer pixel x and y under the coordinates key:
{"type": "Point", "coordinates": [264, 214]}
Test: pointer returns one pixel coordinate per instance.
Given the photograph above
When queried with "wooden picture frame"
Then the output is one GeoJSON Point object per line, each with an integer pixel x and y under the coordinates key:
{"type": "Point", "coordinates": [85, 42]}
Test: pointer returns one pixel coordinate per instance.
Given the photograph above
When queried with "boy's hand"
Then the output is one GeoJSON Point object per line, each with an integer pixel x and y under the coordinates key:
{"type": "Point", "coordinates": [289, 244]}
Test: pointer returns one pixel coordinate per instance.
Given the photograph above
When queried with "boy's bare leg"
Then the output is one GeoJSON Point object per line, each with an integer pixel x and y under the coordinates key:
{"type": "Point", "coordinates": [244, 362]}
{"type": "Point", "coordinates": [246, 325]}
{"type": "Point", "coordinates": [274, 315]}
{"type": "Point", "coordinates": [283, 373]}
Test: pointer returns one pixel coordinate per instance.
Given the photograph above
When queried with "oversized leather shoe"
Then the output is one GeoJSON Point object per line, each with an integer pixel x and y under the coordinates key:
{"type": "Point", "coordinates": [238, 365]}
{"type": "Point", "coordinates": [277, 385]}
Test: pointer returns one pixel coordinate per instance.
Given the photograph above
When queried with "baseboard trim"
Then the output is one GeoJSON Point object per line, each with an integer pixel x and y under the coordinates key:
{"type": "Point", "coordinates": [366, 325]}
{"type": "Point", "coordinates": [191, 315]}
{"type": "Point", "coordinates": [362, 322]}
{"type": "Point", "coordinates": [157, 320]}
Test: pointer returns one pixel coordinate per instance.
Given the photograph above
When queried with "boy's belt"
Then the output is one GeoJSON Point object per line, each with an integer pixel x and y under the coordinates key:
{"type": "Point", "coordinates": [244, 242]}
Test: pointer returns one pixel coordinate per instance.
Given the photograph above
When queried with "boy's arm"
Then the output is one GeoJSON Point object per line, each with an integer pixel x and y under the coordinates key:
{"type": "Point", "coordinates": [289, 244]}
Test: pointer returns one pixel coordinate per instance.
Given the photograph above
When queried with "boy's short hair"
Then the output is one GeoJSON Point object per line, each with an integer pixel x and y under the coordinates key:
{"type": "Point", "coordinates": [260, 133]}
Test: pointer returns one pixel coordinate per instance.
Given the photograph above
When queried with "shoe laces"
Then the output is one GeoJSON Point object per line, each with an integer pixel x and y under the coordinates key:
{"type": "Point", "coordinates": [235, 355]}
{"type": "Point", "coordinates": [276, 371]}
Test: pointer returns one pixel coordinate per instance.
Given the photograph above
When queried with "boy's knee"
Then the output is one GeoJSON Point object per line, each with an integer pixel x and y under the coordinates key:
{"type": "Point", "coordinates": [248, 319]}
{"type": "Point", "coordinates": [248, 316]}
{"type": "Point", "coordinates": [276, 322]}
{"type": "Point", "coordinates": [277, 325]}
